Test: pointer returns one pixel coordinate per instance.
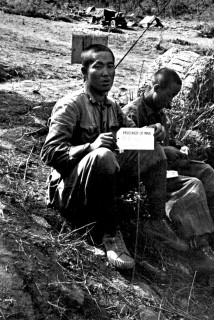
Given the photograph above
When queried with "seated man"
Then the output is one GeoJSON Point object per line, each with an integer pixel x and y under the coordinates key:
{"type": "Point", "coordinates": [88, 173]}
{"type": "Point", "coordinates": [187, 197]}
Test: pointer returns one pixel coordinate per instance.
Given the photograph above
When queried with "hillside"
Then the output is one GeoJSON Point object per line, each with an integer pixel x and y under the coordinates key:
{"type": "Point", "coordinates": [200, 10]}
{"type": "Point", "coordinates": [47, 270]}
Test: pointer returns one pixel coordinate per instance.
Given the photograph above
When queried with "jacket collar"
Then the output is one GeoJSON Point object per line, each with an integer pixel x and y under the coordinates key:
{"type": "Point", "coordinates": [149, 111]}
{"type": "Point", "coordinates": [92, 99]}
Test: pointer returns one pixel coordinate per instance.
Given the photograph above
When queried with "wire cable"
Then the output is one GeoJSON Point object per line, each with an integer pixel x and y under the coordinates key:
{"type": "Point", "coordinates": [166, 4]}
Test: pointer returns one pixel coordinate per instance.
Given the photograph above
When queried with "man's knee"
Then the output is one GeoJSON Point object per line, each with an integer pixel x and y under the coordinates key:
{"type": "Point", "coordinates": [192, 181]}
{"type": "Point", "coordinates": [104, 159]}
{"type": "Point", "coordinates": [102, 154]}
{"type": "Point", "coordinates": [208, 170]}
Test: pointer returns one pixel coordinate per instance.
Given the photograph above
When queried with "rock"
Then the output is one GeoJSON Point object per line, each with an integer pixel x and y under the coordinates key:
{"type": "Point", "coordinates": [4, 75]}
{"type": "Point", "coordinates": [12, 294]}
{"type": "Point", "coordinates": [143, 291]}
{"type": "Point", "coordinates": [41, 221]}
{"type": "Point", "coordinates": [27, 270]}
{"type": "Point", "coordinates": [38, 107]}
{"type": "Point", "coordinates": [69, 296]}
{"type": "Point", "coordinates": [147, 314]}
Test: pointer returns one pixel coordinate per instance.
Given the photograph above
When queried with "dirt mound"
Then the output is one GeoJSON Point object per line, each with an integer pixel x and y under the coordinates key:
{"type": "Point", "coordinates": [195, 71]}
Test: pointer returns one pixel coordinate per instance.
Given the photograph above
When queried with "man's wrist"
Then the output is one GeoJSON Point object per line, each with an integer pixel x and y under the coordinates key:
{"type": "Point", "coordinates": [89, 148]}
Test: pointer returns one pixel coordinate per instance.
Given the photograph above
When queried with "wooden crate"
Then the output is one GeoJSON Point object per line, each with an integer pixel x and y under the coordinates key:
{"type": "Point", "coordinates": [81, 41]}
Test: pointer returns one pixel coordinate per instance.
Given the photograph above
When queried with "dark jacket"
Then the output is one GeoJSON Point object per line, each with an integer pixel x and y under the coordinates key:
{"type": "Point", "coordinates": [76, 121]}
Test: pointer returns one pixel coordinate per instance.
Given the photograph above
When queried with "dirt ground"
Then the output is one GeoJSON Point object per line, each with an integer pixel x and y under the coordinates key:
{"type": "Point", "coordinates": [41, 273]}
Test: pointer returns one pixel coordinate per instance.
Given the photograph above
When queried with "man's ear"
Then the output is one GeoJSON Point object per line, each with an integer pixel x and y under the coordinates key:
{"type": "Point", "coordinates": [84, 71]}
{"type": "Point", "coordinates": [156, 87]}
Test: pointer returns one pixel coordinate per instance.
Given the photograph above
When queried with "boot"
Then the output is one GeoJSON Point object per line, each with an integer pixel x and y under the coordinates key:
{"type": "Point", "coordinates": [161, 229]}
{"type": "Point", "coordinates": [116, 251]}
{"type": "Point", "coordinates": [203, 259]}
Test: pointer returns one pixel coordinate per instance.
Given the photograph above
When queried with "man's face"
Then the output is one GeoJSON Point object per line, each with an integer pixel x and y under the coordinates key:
{"type": "Point", "coordinates": [163, 97]}
{"type": "Point", "coordinates": [100, 73]}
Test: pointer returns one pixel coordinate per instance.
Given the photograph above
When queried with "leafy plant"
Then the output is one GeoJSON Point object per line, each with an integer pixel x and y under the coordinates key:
{"type": "Point", "coordinates": [194, 127]}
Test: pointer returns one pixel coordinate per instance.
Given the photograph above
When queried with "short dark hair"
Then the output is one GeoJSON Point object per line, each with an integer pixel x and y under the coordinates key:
{"type": "Point", "coordinates": [86, 55]}
{"type": "Point", "coordinates": [165, 76]}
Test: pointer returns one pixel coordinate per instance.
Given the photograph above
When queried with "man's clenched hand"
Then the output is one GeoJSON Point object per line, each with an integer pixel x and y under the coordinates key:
{"type": "Point", "coordinates": [106, 140]}
{"type": "Point", "coordinates": [159, 133]}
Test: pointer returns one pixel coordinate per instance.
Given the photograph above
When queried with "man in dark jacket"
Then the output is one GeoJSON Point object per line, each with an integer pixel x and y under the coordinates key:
{"type": "Point", "coordinates": [88, 173]}
{"type": "Point", "coordinates": [190, 196]}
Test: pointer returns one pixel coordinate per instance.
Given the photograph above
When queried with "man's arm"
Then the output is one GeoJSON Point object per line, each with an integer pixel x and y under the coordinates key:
{"type": "Point", "coordinates": [58, 151]}
{"type": "Point", "coordinates": [134, 111]}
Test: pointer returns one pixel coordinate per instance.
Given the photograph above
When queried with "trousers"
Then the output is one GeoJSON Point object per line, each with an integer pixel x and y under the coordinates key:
{"type": "Point", "coordinates": [87, 193]}
{"type": "Point", "coordinates": [205, 173]}
{"type": "Point", "coordinates": [187, 207]}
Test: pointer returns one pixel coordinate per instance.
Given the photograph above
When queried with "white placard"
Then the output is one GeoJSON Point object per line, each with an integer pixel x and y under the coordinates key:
{"type": "Point", "coordinates": [135, 138]}
{"type": "Point", "coordinates": [171, 174]}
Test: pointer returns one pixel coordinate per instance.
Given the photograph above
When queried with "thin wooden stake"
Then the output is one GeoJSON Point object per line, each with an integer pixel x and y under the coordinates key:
{"type": "Point", "coordinates": [190, 293]}
{"type": "Point", "coordinates": [26, 166]}
{"type": "Point", "coordinates": [138, 218]}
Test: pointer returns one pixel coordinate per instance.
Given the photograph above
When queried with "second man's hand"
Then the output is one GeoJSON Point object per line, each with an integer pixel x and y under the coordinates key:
{"type": "Point", "coordinates": [159, 133]}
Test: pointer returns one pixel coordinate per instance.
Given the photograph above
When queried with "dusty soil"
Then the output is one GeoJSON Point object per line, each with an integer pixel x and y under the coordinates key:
{"type": "Point", "coordinates": [46, 270]}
